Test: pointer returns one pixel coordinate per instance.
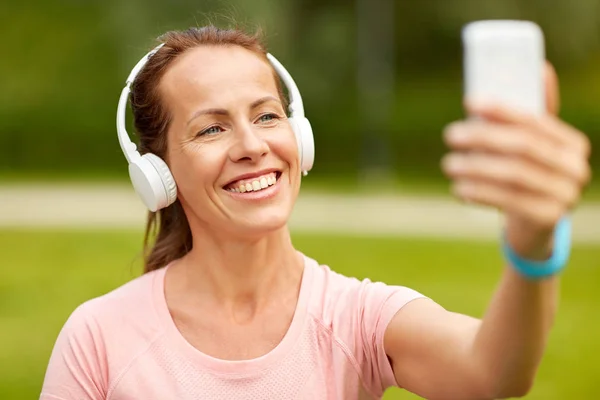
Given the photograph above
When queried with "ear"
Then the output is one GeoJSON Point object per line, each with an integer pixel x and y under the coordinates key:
{"type": "Point", "coordinates": [552, 89]}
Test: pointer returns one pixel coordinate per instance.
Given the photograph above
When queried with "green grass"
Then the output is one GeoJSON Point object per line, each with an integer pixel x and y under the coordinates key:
{"type": "Point", "coordinates": [46, 274]}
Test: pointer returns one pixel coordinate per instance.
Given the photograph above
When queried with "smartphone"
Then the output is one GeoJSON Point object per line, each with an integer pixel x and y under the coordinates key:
{"type": "Point", "coordinates": [504, 63]}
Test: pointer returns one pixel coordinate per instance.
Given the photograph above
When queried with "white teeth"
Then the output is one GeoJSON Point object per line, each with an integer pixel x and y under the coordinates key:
{"type": "Point", "coordinates": [259, 184]}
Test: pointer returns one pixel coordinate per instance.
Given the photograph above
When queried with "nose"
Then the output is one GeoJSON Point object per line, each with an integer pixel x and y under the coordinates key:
{"type": "Point", "coordinates": [249, 145]}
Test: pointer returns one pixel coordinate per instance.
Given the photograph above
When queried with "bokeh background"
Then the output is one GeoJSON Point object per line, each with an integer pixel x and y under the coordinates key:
{"type": "Point", "coordinates": [379, 78]}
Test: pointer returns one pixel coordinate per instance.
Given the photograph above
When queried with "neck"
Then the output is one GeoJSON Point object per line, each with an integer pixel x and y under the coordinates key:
{"type": "Point", "coordinates": [235, 270]}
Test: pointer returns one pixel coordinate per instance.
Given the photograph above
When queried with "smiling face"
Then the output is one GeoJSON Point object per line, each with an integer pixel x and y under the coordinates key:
{"type": "Point", "coordinates": [231, 149]}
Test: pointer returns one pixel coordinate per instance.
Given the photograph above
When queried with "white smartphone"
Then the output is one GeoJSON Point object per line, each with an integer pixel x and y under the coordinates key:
{"type": "Point", "coordinates": [504, 63]}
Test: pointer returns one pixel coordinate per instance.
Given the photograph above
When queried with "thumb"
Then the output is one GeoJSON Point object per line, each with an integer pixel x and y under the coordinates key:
{"type": "Point", "coordinates": [551, 89]}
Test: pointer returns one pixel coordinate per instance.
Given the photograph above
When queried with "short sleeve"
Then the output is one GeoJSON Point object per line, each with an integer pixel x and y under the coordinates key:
{"type": "Point", "coordinates": [77, 369]}
{"type": "Point", "coordinates": [376, 305]}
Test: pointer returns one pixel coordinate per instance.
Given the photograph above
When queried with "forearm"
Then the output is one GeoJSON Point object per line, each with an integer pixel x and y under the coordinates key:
{"type": "Point", "coordinates": [514, 331]}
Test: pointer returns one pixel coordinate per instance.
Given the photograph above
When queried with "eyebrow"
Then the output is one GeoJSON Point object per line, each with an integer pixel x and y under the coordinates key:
{"type": "Point", "coordinates": [222, 111]}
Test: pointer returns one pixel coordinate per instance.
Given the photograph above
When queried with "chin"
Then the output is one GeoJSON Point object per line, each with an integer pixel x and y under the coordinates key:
{"type": "Point", "coordinates": [261, 223]}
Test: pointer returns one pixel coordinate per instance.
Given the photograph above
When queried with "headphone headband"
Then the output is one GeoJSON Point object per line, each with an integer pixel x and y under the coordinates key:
{"type": "Point", "coordinates": [296, 106]}
{"type": "Point", "coordinates": [140, 64]}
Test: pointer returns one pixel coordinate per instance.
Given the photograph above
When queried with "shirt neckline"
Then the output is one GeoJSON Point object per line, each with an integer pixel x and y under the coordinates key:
{"type": "Point", "coordinates": [236, 367]}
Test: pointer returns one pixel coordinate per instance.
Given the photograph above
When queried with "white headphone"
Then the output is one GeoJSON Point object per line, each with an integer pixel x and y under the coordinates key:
{"type": "Point", "coordinates": [151, 178]}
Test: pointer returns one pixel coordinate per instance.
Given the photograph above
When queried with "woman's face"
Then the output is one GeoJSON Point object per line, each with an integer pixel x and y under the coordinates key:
{"type": "Point", "coordinates": [231, 149]}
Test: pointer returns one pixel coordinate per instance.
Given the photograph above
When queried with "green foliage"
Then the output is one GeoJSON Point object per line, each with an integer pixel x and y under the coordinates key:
{"type": "Point", "coordinates": [65, 63]}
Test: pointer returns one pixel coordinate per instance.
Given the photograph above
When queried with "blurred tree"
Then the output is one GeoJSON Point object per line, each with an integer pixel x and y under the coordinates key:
{"type": "Point", "coordinates": [376, 71]}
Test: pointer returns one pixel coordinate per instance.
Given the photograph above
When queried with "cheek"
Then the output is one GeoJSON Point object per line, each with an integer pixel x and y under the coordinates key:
{"type": "Point", "coordinates": [286, 147]}
{"type": "Point", "coordinates": [193, 168]}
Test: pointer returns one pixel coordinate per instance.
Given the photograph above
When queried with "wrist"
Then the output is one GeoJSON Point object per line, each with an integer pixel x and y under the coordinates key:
{"type": "Point", "coordinates": [552, 264]}
{"type": "Point", "coordinates": [527, 241]}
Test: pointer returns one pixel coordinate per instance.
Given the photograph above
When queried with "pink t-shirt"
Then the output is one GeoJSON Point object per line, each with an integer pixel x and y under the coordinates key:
{"type": "Point", "coordinates": [124, 346]}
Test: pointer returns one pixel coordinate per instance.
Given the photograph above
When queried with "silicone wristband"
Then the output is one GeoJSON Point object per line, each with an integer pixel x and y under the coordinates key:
{"type": "Point", "coordinates": [561, 251]}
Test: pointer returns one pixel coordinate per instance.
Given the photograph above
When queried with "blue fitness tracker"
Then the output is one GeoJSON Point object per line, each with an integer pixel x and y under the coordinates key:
{"type": "Point", "coordinates": [534, 270]}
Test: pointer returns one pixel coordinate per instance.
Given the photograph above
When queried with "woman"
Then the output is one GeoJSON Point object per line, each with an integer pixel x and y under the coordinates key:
{"type": "Point", "coordinates": [228, 309]}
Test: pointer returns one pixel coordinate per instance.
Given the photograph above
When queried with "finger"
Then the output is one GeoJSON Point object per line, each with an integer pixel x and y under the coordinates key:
{"type": "Point", "coordinates": [481, 136]}
{"type": "Point", "coordinates": [552, 89]}
{"type": "Point", "coordinates": [512, 172]}
{"type": "Point", "coordinates": [548, 126]}
{"type": "Point", "coordinates": [542, 211]}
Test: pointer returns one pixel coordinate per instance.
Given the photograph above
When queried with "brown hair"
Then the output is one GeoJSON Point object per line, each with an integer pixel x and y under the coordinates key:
{"type": "Point", "coordinates": [168, 235]}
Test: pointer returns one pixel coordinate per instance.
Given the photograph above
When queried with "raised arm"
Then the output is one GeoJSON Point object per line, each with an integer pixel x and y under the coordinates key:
{"type": "Point", "coordinates": [533, 169]}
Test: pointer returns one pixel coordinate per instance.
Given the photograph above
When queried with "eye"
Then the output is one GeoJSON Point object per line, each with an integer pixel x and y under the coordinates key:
{"type": "Point", "coordinates": [210, 130]}
{"type": "Point", "coordinates": [268, 117]}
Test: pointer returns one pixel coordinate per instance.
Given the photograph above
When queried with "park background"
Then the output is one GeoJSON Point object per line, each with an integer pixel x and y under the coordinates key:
{"type": "Point", "coordinates": [379, 78]}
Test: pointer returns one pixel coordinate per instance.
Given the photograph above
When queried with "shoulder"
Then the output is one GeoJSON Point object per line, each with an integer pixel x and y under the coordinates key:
{"type": "Point", "coordinates": [132, 301]}
{"type": "Point", "coordinates": [339, 296]}
{"type": "Point", "coordinates": [117, 322]}
{"type": "Point", "coordinates": [100, 338]}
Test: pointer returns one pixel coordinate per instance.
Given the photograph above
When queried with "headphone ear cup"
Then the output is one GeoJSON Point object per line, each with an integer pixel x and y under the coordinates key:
{"type": "Point", "coordinates": [305, 140]}
{"type": "Point", "coordinates": [153, 182]}
{"type": "Point", "coordinates": [297, 135]}
{"type": "Point", "coordinates": [166, 177]}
